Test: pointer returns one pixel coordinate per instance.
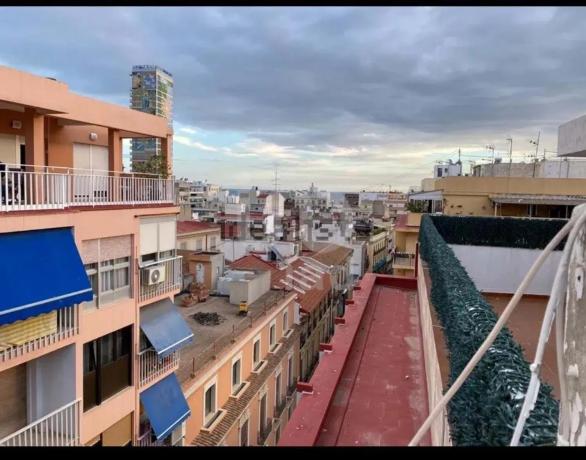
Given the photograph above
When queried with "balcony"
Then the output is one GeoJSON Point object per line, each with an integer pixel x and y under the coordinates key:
{"type": "Point", "coordinates": [59, 428]}
{"type": "Point", "coordinates": [46, 187]}
{"type": "Point", "coordinates": [264, 432]}
{"type": "Point", "coordinates": [23, 337]}
{"type": "Point", "coordinates": [152, 367]}
{"type": "Point", "coordinates": [404, 260]}
{"type": "Point", "coordinates": [172, 276]}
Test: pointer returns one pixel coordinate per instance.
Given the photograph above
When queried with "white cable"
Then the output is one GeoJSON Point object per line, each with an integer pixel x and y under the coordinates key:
{"type": "Point", "coordinates": [556, 240]}
{"type": "Point", "coordinates": [556, 298]}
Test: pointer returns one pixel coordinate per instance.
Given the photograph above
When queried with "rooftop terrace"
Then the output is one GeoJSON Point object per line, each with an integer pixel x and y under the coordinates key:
{"type": "Point", "coordinates": [370, 389]}
{"type": "Point", "coordinates": [210, 340]}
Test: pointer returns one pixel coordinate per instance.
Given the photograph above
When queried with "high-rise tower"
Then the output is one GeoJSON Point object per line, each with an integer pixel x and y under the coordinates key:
{"type": "Point", "coordinates": [152, 92]}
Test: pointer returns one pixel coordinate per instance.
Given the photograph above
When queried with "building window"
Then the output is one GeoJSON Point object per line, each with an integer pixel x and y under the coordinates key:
{"type": "Point", "coordinates": [236, 375]}
{"type": "Point", "coordinates": [210, 402]}
{"type": "Point", "coordinates": [110, 279]}
{"type": "Point", "coordinates": [290, 371]}
{"type": "Point", "coordinates": [213, 242]}
{"type": "Point", "coordinates": [285, 321]}
{"type": "Point", "coordinates": [106, 367]}
{"type": "Point", "coordinates": [272, 335]}
{"type": "Point", "coordinates": [244, 434]}
{"type": "Point", "coordinates": [263, 414]}
{"type": "Point", "coordinates": [278, 389]}
{"type": "Point", "coordinates": [198, 245]}
{"type": "Point", "coordinates": [256, 352]}
{"type": "Point", "coordinates": [183, 245]}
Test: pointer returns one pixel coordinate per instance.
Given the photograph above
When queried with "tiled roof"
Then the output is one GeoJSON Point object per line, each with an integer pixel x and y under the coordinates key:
{"type": "Point", "coordinates": [190, 226]}
{"type": "Point", "coordinates": [311, 286]}
{"type": "Point", "coordinates": [235, 407]}
{"type": "Point", "coordinates": [311, 297]}
{"type": "Point", "coordinates": [332, 254]}
{"type": "Point", "coordinates": [252, 262]}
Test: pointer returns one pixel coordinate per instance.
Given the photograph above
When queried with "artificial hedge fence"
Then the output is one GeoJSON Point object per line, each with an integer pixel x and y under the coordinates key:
{"type": "Point", "coordinates": [484, 411]}
{"type": "Point", "coordinates": [510, 232]}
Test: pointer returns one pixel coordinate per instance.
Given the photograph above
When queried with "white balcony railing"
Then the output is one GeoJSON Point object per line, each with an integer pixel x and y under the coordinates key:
{"type": "Point", "coordinates": [65, 326]}
{"type": "Point", "coordinates": [152, 367]}
{"type": "Point", "coordinates": [173, 273]}
{"type": "Point", "coordinates": [59, 428]}
{"type": "Point", "coordinates": [37, 190]}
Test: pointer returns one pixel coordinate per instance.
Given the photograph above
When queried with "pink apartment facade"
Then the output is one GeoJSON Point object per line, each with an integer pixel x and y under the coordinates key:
{"type": "Point", "coordinates": [90, 272]}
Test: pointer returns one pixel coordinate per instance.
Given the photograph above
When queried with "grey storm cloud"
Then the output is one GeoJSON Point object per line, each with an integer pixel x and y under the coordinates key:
{"type": "Point", "coordinates": [322, 78]}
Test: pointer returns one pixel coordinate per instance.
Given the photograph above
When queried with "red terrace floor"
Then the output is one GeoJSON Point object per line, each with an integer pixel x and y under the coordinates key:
{"type": "Point", "coordinates": [371, 390]}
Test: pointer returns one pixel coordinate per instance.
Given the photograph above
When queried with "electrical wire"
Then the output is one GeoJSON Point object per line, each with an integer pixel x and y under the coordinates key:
{"type": "Point", "coordinates": [556, 240]}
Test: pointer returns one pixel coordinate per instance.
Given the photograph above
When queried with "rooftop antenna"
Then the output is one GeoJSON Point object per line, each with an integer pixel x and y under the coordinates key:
{"type": "Point", "coordinates": [536, 143]}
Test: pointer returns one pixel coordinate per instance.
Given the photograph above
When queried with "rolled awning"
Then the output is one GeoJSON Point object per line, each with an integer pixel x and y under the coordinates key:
{"type": "Point", "coordinates": [41, 271]}
{"type": "Point", "coordinates": [164, 327]}
{"type": "Point", "coordinates": [165, 406]}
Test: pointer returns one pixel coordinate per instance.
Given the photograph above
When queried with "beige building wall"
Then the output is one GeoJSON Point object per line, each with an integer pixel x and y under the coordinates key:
{"type": "Point", "coordinates": [220, 372]}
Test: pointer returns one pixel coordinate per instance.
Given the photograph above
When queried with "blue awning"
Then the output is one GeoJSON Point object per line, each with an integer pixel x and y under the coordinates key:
{"type": "Point", "coordinates": [165, 406]}
{"type": "Point", "coordinates": [164, 327]}
{"type": "Point", "coordinates": [41, 271]}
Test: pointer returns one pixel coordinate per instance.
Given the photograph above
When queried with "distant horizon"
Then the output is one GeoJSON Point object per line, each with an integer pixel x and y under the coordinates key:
{"type": "Point", "coordinates": [349, 97]}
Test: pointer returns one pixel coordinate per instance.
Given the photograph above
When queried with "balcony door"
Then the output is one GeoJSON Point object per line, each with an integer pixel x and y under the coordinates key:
{"type": "Point", "coordinates": [90, 163]}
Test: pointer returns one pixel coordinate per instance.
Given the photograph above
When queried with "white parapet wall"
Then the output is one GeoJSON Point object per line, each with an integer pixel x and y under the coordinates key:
{"type": "Point", "coordinates": [501, 270]}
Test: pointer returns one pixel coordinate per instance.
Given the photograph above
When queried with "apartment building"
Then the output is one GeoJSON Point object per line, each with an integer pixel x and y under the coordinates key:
{"type": "Point", "coordinates": [198, 236]}
{"type": "Point", "coordinates": [151, 92]}
{"type": "Point", "coordinates": [315, 297]}
{"type": "Point", "coordinates": [503, 196]}
{"type": "Point", "coordinates": [239, 376]}
{"type": "Point", "coordinates": [377, 242]}
{"type": "Point", "coordinates": [405, 237]}
{"type": "Point", "coordinates": [82, 357]}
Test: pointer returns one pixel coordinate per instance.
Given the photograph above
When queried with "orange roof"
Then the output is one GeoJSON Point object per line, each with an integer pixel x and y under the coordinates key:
{"type": "Point", "coordinates": [252, 262]}
{"type": "Point", "coordinates": [190, 226]}
{"type": "Point", "coordinates": [332, 254]}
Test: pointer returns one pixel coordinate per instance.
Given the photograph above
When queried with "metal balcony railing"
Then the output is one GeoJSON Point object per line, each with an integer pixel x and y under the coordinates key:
{"type": "Point", "coordinates": [404, 259]}
{"type": "Point", "coordinates": [59, 428]}
{"type": "Point", "coordinates": [151, 366]}
{"type": "Point", "coordinates": [38, 188]}
{"type": "Point", "coordinates": [173, 276]}
{"type": "Point", "coordinates": [264, 432]}
{"type": "Point", "coordinates": [16, 342]}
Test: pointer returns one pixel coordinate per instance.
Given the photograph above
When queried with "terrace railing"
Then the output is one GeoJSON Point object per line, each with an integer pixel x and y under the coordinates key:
{"type": "Point", "coordinates": [151, 366]}
{"type": "Point", "coordinates": [59, 428]}
{"type": "Point", "coordinates": [37, 188]}
{"type": "Point", "coordinates": [14, 344]}
{"type": "Point", "coordinates": [404, 259]}
{"type": "Point", "coordinates": [173, 273]}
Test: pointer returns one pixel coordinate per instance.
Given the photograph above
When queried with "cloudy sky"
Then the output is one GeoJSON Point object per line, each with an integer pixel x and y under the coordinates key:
{"type": "Point", "coordinates": [350, 98]}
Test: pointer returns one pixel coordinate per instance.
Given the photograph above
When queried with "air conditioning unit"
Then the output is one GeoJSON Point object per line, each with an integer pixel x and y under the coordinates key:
{"type": "Point", "coordinates": [155, 275]}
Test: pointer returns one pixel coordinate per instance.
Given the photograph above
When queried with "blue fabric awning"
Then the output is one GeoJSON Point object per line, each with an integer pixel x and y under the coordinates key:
{"type": "Point", "coordinates": [164, 327]}
{"type": "Point", "coordinates": [165, 406]}
{"type": "Point", "coordinates": [41, 271]}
